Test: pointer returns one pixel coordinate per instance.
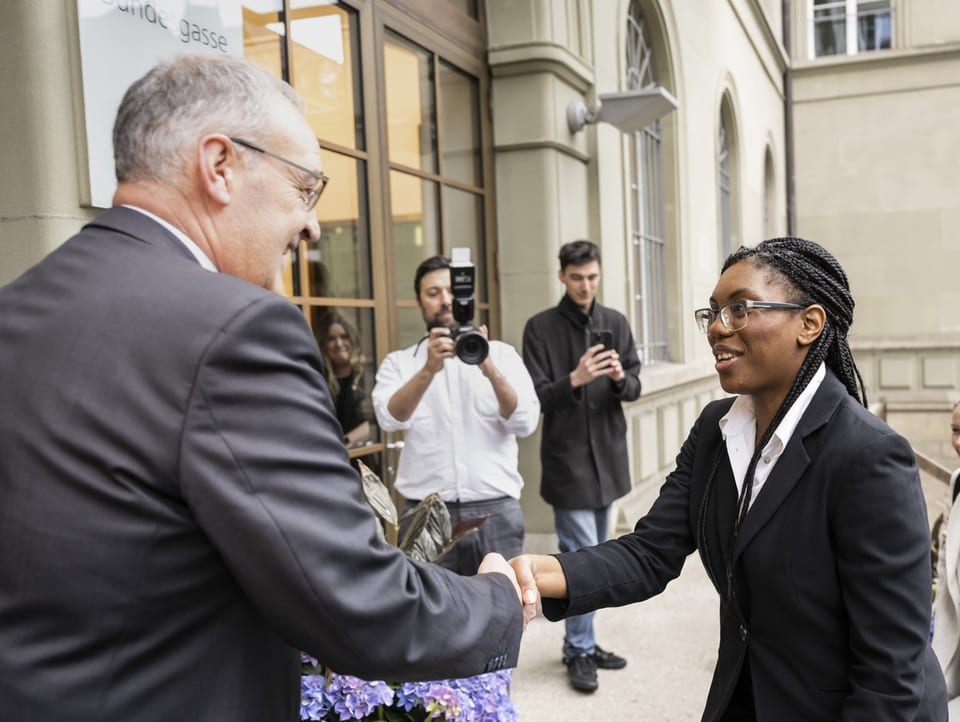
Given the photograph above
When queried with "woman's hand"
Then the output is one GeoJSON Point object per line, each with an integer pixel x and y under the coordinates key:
{"type": "Point", "coordinates": [539, 575]}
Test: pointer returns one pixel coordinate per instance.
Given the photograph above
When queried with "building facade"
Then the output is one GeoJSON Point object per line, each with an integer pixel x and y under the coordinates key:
{"type": "Point", "coordinates": [445, 123]}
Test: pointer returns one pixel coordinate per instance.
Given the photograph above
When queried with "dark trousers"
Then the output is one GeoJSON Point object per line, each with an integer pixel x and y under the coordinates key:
{"type": "Point", "coordinates": [502, 532]}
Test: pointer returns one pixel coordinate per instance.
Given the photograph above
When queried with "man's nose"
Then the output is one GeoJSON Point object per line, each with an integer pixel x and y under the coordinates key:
{"type": "Point", "coordinates": [311, 231]}
{"type": "Point", "coordinates": [447, 298]}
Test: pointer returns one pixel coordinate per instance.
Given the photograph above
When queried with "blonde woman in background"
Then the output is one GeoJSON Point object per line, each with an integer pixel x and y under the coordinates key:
{"type": "Point", "coordinates": [344, 363]}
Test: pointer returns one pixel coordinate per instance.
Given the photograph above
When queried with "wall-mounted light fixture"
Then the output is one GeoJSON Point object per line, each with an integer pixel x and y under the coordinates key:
{"type": "Point", "coordinates": [630, 111]}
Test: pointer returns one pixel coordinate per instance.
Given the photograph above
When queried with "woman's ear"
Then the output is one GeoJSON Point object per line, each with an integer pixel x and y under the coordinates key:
{"type": "Point", "coordinates": [813, 318]}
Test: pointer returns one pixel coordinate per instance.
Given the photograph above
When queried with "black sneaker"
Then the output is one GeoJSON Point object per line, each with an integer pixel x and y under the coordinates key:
{"type": "Point", "coordinates": [608, 660]}
{"type": "Point", "coordinates": [582, 671]}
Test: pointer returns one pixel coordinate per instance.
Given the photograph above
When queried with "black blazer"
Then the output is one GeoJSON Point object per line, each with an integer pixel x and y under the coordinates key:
{"type": "Point", "coordinates": [177, 512]}
{"type": "Point", "coordinates": [832, 569]}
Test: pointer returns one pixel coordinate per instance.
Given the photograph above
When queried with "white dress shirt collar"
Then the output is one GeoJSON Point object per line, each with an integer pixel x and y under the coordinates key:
{"type": "Point", "coordinates": [194, 249]}
{"type": "Point", "coordinates": [739, 430]}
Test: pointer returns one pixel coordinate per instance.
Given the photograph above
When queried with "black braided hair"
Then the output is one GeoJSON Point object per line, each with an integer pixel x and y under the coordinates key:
{"type": "Point", "coordinates": [814, 276]}
{"type": "Point", "coordinates": [811, 275]}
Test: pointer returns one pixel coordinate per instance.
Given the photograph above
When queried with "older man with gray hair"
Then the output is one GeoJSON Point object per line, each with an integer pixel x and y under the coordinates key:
{"type": "Point", "coordinates": [177, 512]}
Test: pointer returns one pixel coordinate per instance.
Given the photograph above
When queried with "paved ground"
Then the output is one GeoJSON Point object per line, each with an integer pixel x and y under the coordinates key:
{"type": "Point", "coordinates": [670, 643]}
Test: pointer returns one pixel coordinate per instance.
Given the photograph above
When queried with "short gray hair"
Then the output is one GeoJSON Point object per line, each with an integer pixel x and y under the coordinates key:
{"type": "Point", "coordinates": [164, 113]}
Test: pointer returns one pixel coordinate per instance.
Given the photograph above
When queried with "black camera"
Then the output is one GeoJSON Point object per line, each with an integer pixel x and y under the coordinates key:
{"type": "Point", "coordinates": [472, 346]}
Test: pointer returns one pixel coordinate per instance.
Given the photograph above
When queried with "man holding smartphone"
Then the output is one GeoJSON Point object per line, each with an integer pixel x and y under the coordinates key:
{"type": "Point", "coordinates": [584, 364]}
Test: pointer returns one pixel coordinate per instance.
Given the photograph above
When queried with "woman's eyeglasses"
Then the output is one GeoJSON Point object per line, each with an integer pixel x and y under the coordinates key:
{"type": "Point", "coordinates": [733, 315]}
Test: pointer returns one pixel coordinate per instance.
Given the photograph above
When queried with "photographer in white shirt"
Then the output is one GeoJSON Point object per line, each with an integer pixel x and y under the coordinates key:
{"type": "Point", "coordinates": [461, 423]}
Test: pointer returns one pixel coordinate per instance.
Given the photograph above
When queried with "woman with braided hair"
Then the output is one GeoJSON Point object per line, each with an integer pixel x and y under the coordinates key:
{"type": "Point", "coordinates": [805, 508]}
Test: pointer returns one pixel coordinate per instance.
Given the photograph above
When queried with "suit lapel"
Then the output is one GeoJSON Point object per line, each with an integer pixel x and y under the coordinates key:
{"type": "Point", "coordinates": [725, 492]}
{"type": "Point", "coordinates": [720, 507]}
{"type": "Point", "coordinates": [794, 461]}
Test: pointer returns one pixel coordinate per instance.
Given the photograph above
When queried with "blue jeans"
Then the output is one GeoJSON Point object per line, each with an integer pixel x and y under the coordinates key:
{"type": "Point", "coordinates": [578, 528]}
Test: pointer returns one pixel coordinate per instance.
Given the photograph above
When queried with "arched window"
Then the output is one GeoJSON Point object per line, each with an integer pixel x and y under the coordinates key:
{"type": "Point", "coordinates": [769, 196]}
{"type": "Point", "coordinates": [727, 181]}
{"type": "Point", "coordinates": [646, 201]}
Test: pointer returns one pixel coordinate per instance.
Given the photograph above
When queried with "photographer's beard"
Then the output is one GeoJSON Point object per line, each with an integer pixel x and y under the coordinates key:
{"type": "Point", "coordinates": [441, 319]}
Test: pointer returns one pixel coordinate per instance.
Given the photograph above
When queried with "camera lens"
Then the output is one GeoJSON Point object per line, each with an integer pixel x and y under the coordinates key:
{"type": "Point", "coordinates": [472, 347]}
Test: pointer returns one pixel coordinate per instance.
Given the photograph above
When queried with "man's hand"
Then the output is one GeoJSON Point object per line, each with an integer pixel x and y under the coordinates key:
{"type": "Point", "coordinates": [440, 347]}
{"type": "Point", "coordinates": [486, 366]}
{"type": "Point", "coordinates": [597, 362]}
{"type": "Point", "coordinates": [505, 393]}
{"type": "Point", "coordinates": [539, 575]}
{"type": "Point", "coordinates": [495, 563]}
{"type": "Point", "coordinates": [526, 578]}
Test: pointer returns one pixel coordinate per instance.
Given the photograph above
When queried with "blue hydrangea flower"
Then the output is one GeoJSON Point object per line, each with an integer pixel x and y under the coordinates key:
{"type": "Point", "coordinates": [482, 698]}
{"type": "Point", "coordinates": [314, 703]}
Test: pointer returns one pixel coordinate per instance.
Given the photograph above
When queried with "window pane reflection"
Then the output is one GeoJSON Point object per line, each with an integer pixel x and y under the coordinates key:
{"type": "Point", "coordinates": [873, 25]}
{"type": "Point", "coordinates": [411, 113]}
{"type": "Point", "coordinates": [830, 29]}
{"type": "Point", "coordinates": [326, 73]}
{"type": "Point", "coordinates": [463, 224]}
{"type": "Point", "coordinates": [415, 216]}
{"type": "Point", "coordinates": [291, 283]}
{"type": "Point", "coordinates": [263, 35]}
{"type": "Point", "coordinates": [459, 123]}
{"type": "Point", "coordinates": [346, 340]}
{"type": "Point", "coordinates": [339, 266]}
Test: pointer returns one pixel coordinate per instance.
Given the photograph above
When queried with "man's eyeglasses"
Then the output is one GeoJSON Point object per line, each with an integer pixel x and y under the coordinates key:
{"type": "Point", "coordinates": [733, 315]}
{"type": "Point", "coordinates": [312, 195]}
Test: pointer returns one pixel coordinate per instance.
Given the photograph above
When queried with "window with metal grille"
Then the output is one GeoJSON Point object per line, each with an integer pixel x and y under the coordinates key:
{"type": "Point", "coordinates": [647, 242]}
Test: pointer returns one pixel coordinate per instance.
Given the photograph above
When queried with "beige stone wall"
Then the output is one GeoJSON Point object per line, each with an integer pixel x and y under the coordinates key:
{"type": "Point", "coordinates": [42, 148]}
{"type": "Point", "coordinates": [554, 186]}
{"type": "Point", "coordinates": [916, 381]}
{"type": "Point", "coordinates": [878, 174]}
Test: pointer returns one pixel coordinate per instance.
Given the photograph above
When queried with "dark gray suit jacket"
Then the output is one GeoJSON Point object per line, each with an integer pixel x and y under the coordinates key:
{"type": "Point", "coordinates": [177, 513]}
{"type": "Point", "coordinates": [832, 569]}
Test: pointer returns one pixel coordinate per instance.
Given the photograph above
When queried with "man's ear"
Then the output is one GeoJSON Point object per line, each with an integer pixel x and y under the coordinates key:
{"type": "Point", "coordinates": [813, 318]}
{"type": "Point", "coordinates": [216, 167]}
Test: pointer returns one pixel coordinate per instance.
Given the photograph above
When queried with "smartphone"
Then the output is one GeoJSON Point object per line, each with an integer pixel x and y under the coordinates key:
{"type": "Point", "coordinates": [602, 336]}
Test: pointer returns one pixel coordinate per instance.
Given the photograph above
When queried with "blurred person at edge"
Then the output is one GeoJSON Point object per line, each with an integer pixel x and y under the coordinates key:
{"type": "Point", "coordinates": [177, 514]}
{"type": "Point", "coordinates": [946, 629]}
{"type": "Point", "coordinates": [806, 509]}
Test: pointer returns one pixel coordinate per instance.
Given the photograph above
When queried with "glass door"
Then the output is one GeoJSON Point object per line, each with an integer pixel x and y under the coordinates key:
{"type": "Point", "coordinates": [396, 93]}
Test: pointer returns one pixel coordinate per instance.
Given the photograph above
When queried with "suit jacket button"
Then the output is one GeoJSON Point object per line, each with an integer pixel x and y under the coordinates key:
{"type": "Point", "coordinates": [495, 664]}
{"type": "Point", "coordinates": [743, 633]}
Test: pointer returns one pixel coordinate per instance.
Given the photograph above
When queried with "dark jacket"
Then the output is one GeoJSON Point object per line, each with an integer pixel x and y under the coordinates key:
{"type": "Point", "coordinates": [583, 444]}
{"type": "Point", "coordinates": [831, 569]}
{"type": "Point", "coordinates": [177, 513]}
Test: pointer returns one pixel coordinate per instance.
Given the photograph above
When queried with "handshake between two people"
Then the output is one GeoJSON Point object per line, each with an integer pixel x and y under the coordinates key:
{"type": "Point", "coordinates": [533, 576]}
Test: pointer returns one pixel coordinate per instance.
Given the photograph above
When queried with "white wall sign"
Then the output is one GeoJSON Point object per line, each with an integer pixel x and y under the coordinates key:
{"type": "Point", "coordinates": [120, 40]}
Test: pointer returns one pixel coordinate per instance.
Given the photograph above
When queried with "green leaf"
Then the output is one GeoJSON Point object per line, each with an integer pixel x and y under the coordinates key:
{"type": "Point", "coordinates": [465, 526]}
{"type": "Point", "coordinates": [428, 532]}
{"type": "Point", "coordinates": [377, 494]}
